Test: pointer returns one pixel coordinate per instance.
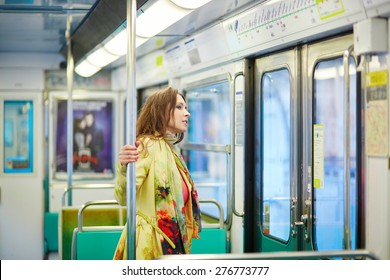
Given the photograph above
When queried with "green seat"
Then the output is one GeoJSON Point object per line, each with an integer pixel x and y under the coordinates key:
{"type": "Point", "coordinates": [91, 217]}
{"type": "Point", "coordinates": [95, 243]}
{"type": "Point", "coordinates": [212, 241]}
{"type": "Point", "coordinates": [99, 242]}
{"type": "Point", "coordinates": [51, 232]}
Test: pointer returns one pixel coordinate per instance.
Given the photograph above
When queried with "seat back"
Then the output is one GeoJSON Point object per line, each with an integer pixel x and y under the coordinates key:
{"type": "Point", "coordinates": [69, 220]}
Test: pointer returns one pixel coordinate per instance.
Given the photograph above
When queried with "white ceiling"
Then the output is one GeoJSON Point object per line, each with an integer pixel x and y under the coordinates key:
{"type": "Point", "coordinates": [38, 25]}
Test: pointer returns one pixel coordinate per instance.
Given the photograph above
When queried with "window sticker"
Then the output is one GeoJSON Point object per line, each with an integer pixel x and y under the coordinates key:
{"type": "Point", "coordinates": [318, 155]}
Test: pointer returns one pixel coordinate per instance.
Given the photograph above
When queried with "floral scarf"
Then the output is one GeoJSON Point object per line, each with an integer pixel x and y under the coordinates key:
{"type": "Point", "coordinates": [170, 208]}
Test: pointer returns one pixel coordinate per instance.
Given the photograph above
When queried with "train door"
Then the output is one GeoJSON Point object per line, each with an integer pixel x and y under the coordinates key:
{"type": "Point", "coordinates": [332, 166]}
{"type": "Point", "coordinates": [21, 176]}
{"type": "Point", "coordinates": [306, 142]}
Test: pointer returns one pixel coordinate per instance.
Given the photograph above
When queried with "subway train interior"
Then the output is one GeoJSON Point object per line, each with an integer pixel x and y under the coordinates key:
{"type": "Point", "coordinates": [288, 141]}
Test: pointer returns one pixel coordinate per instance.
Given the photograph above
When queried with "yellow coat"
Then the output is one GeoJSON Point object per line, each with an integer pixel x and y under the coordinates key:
{"type": "Point", "coordinates": [156, 166]}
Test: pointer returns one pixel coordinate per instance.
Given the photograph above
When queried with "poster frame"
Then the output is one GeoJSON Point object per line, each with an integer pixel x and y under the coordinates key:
{"type": "Point", "coordinates": [88, 177]}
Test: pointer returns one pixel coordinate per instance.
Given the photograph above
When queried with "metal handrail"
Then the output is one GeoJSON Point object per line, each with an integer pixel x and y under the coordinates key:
{"type": "Point", "coordinates": [90, 228]}
{"type": "Point", "coordinates": [217, 148]}
{"type": "Point", "coordinates": [233, 144]}
{"type": "Point", "coordinates": [219, 205]}
{"type": "Point", "coordinates": [347, 217]}
{"type": "Point", "coordinates": [301, 255]}
{"type": "Point", "coordinates": [88, 204]}
{"type": "Point", "coordinates": [131, 117]}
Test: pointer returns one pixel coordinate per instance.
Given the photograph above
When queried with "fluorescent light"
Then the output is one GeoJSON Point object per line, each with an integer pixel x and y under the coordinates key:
{"type": "Point", "coordinates": [86, 69]}
{"type": "Point", "coordinates": [190, 4]}
{"type": "Point", "coordinates": [158, 17]}
{"type": "Point", "coordinates": [118, 44]}
{"type": "Point", "coordinates": [101, 57]}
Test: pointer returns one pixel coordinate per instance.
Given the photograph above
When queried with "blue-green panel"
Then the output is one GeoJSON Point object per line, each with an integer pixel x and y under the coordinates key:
{"type": "Point", "coordinates": [212, 241]}
{"type": "Point", "coordinates": [97, 245]}
{"type": "Point", "coordinates": [51, 231]}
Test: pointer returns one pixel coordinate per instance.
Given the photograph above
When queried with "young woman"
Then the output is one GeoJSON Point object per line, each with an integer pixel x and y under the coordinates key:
{"type": "Point", "coordinates": [168, 214]}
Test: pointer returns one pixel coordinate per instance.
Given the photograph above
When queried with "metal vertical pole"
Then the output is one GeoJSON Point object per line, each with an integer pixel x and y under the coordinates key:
{"type": "Point", "coordinates": [347, 152]}
{"type": "Point", "coordinates": [69, 126]}
{"type": "Point", "coordinates": [131, 114]}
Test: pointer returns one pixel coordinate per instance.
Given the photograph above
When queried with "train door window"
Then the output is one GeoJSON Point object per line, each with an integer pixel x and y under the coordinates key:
{"type": "Point", "coordinates": [18, 136]}
{"type": "Point", "coordinates": [276, 153]}
{"type": "Point", "coordinates": [209, 106]}
{"type": "Point", "coordinates": [329, 111]}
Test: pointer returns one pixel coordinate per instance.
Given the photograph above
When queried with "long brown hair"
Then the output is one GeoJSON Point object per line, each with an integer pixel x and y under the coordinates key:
{"type": "Point", "coordinates": [156, 113]}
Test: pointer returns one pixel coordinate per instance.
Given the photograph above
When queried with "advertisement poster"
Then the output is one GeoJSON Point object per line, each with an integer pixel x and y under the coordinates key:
{"type": "Point", "coordinates": [92, 139]}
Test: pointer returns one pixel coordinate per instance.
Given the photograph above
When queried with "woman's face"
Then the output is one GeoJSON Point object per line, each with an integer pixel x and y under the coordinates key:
{"type": "Point", "coordinates": [89, 118]}
{"type": "Point", "coordinates": [179, 122]}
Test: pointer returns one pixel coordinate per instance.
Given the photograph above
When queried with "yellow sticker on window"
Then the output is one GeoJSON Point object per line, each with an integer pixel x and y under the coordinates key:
{"type": "Point", "coordinates": [318, 155]}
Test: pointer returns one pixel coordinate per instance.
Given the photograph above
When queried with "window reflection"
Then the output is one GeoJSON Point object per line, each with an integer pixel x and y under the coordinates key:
{"type": "Point", "coordinates": [209, 124]}
{"type": "Point", "coordinates": [329, 100]}
{"type": "Point", "coordinates": [276, 153]}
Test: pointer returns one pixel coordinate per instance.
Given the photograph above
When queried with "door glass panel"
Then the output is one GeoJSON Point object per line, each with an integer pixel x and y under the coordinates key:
{"type": "Point", "coordinates": [329, 111]}
{"type": "Point", "coordinates": [18, 136]}
{"type": "Point", "coordinates": [209, 107]}
{"type": "Point", "coordinates": [276, 153]}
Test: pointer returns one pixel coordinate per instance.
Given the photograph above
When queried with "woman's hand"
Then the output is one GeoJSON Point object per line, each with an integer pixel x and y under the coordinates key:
{"type": "Point", "coordinates": [128, 154]}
